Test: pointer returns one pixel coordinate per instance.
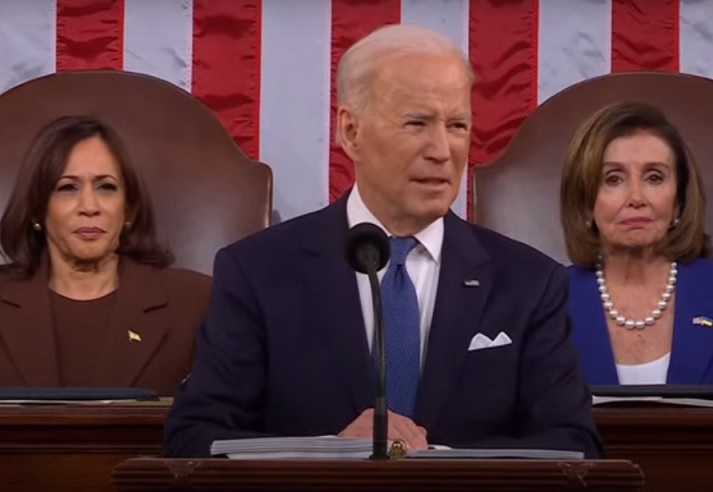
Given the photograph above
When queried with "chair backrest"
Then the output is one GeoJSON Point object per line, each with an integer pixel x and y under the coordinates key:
{"type": "Point", "coordinates": [206, 193]}
{"type": "Point", "coordinates": [518, 193]}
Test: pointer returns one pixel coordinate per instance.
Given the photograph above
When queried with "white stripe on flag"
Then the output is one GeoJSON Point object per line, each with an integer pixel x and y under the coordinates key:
{"type": "Point", "coordinates": [294, 103]}
{"type": "Point", "coordinates": [450, 18]}
{"type": "Point", "coordinates": [28, 39]}
{"type": "Point", "coordinates": [574, 43]}
{"type": "Point", "coordinates": [696, 41]}
{"type": "Point", "coordinates": [158, 39]}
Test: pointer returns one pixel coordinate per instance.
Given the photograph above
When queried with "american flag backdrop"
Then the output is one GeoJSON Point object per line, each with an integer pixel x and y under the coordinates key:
{"type": "Point", "coordinates": [266, 67]}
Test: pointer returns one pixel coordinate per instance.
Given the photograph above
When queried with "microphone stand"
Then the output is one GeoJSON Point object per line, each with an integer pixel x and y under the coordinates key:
{"type": "Point", "coordinates": [367, 251]}
{"type": "Point", "coordinates": [381, 416]}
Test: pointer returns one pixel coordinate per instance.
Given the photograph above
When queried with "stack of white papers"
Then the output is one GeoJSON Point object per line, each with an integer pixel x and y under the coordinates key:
{"type": "Point", "coordinates": [59, 402]}
{"type": "Point", "coordinates": [688, 402]}
{"type": "Point", "coordinates": [537, 454]}
{"type": "Point", "coordinates": [332, 447]}
{"type": "Point", "coordinates": [277, 448]}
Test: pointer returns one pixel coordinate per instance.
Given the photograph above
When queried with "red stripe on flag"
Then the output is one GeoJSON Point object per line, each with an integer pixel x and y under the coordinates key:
{"type": "Point", "coordinates": [503, 51]}
{"type": "Point", "coordinates": [645, 35]}
{"type": "Point", "coordinates": [226, 66]}
{"type": "Point", "coordinates": [90, 34]}
{"type": "Point", "coordinates": [351, 20]}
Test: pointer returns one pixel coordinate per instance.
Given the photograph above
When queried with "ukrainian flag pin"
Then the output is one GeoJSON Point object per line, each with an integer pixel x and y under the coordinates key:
{"type": "Point", "coordinates": [133, 336]}
{"type": "Point", "coordinates": [703, 321]}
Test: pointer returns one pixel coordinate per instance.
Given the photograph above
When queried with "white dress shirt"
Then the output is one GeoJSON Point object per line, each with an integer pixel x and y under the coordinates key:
{"type": "Point", "coordinates": [422, 264]}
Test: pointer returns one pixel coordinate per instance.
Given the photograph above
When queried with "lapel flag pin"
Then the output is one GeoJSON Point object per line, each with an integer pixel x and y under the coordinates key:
{"type": "Point", "coordinates": [471, 283]}
{"type": "Point", "coordinates": [134, 337]}
{"type": "Point", "coordinates": [703, 321]}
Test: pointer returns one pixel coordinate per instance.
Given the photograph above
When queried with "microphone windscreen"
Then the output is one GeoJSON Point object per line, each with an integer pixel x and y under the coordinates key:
{"type": "Point", "coordinates": [367, 245]}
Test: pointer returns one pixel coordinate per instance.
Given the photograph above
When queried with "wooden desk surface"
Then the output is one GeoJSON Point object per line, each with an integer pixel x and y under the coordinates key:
{"type": "Point", "coordinates": [76, 448]}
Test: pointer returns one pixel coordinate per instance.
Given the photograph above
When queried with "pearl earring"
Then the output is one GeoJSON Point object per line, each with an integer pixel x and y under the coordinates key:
{"type": "Point", "coordinates": [36, 226]}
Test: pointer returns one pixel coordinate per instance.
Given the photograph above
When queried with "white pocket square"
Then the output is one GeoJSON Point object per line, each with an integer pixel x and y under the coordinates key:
{"type": "Point", "coordinates": [481, 341]}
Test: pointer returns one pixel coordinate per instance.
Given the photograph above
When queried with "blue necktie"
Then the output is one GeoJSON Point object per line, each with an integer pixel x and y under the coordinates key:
{"type": "Point", "coordinates": [402, 332]}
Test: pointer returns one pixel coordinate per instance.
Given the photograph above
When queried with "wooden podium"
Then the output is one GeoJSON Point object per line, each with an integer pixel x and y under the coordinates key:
{"type": "Point", "coordinates": [153, 474]}
{"type": "Point", "coordinates": [673, 445]}
{"type": "Point", "coordinates": [75, 448]}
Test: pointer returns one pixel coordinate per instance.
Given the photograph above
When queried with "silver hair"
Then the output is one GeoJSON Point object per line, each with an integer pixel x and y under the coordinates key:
{"type": "Point", "coordinates": [358, 64]}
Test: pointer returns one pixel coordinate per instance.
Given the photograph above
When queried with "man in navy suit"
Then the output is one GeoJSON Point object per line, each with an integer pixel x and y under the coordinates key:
{"type": "Point", "coordinates": [478, 350]}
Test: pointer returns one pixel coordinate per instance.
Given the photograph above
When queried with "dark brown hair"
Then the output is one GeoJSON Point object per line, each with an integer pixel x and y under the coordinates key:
{"type": "Point", "coordinates": [37, 177]}
{"type": "Point", "coordinates": [581, 178]}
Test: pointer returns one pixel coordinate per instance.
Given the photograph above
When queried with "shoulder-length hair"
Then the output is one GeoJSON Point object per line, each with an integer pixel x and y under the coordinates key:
{"type": "Point", "coordinates": [582, 175]}
{"type": "Point", "coordinates": [43, 164]}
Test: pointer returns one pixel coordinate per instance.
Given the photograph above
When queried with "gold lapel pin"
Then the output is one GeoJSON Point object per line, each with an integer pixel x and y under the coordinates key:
{"type": "Point", "coordinates": [133, 336]}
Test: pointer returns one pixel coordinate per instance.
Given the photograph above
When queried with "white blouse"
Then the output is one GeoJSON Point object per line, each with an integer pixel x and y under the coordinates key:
{"type": "Point", "coordinates": [653, 372]}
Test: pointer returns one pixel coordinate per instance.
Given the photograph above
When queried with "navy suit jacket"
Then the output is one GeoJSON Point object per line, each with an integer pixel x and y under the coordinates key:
{"type": "Point", "coordinates": [692, 347]}
{"type": "Point", "coordinates": [283, 349]}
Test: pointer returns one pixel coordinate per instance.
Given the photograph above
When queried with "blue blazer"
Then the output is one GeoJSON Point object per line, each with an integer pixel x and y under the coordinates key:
{"type": "Point", "coordinates": [692, 348]}
{"type": "Point", "coordinates": [283, 349]}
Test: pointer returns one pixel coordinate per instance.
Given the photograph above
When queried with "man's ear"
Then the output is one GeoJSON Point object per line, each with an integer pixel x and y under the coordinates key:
{"type": "Point", "coordinates": [348, 131]}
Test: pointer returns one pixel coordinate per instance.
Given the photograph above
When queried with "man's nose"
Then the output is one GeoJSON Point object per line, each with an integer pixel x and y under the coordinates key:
{"type": "Point", "coordinates": [439, 149]}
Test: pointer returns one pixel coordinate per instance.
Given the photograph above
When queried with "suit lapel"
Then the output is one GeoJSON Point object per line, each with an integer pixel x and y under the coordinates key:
{"type": "Point", "coordinates": [456, 315]}
{"type": "Point", "coordinates": [592, 334]}
{"type": "Point", "coordinates": [339, 311]}
{"type": "Point", "coordinates": [691, 350]}
{"type": "Point", "coordinates": [137, 326]}
{"type": "Point", "coordinates": [28, 332]}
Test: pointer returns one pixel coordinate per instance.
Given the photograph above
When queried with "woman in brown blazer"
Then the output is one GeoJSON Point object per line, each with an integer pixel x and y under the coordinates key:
{"type": "Point", "coordinates": [87, 298]}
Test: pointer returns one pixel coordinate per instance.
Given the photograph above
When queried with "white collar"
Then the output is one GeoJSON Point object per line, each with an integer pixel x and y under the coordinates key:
{"type": "Point", "coordinates": [431, 238]}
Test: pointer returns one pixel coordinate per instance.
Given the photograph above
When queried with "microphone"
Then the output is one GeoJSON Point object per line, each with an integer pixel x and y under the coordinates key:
{"type": "Point", "coordinates": [368, 251]}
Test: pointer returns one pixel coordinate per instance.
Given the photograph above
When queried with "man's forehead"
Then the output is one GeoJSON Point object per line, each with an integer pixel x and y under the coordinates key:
{"type": "Point", "coordinates": [403, 105]}
{"type": "Point", "coordinates": [395, 64]}
{"type": "Point", "coordinates": [422, 79]}
{"type": "Point", "coordinates": [419, 88]}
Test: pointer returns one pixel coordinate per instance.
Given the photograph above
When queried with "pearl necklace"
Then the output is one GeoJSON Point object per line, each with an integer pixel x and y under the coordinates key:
{"type": "Point", "coordinates": [656, 313]}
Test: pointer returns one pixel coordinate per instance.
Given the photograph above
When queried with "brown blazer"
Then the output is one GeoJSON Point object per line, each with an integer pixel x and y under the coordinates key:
{"type": "Point", "coordinates": [163, 306]}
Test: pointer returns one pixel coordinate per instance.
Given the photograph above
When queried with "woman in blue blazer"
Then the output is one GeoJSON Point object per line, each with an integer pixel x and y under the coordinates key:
{"type": "Point", "coordinates": [641, 286]}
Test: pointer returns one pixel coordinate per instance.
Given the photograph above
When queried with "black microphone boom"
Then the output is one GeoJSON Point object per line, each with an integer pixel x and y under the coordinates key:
{"type": "Point", "coordinates": [368, 251]}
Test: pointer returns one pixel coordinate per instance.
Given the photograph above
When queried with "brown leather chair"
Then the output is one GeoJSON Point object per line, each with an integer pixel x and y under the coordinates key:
{"type": "Point", "coordinates": [518, 193]}
{"type": "Point", "coordinates": [206, 193]}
